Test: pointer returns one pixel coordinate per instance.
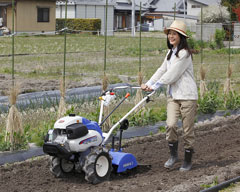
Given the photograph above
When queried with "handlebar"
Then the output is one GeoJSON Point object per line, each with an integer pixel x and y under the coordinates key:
{"type": "Point", "coordinates": [121, 87]}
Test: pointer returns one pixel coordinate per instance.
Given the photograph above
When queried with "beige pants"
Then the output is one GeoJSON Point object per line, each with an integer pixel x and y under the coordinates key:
{"type": "Point", "coordinates": [188, 110]}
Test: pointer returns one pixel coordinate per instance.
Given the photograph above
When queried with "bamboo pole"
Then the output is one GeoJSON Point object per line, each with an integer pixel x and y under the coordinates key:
{"type": "Point", "coordinates": [106, 126]}
{"type": "Point", "coordinates": [201, 35]}
{"type": "Point", "coordinates": [13, 40]}
{"type": "Point", "coordinates": [139, 94]}
{"type": "Point", "coordinates": [62, 104]}
{"type": "Point", "coordinates": [227, 85]}
{"type": "Point", "coordinates": [203, 87]}
{"type": "Point", "coordinates": [140, 39]}
{"type": "Point", "coordinates": [105, 80]}
{"type": "Point", "coordinates": [65, 44]}
{"type": "Point", "coordinates": [105, 37]}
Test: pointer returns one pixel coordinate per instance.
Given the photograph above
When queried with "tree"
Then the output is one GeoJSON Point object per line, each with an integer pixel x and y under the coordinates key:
{"type": "Point", "coordinates": [215, 14]}
{"type": "Point", "coordinates": [232, 5]}
{"type": "Point", "coordinates": [237, 11]}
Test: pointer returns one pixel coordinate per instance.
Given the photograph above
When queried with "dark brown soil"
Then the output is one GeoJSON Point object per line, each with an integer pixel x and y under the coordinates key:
{"type": "Point", "coordinates": [217, 156]}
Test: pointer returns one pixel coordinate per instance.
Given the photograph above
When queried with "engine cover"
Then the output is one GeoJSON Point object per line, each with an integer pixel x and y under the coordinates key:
{"type": "Point", "coordinates": [76, 130]}
{"type": "Point", "coordinates": [68, 121]}
{"type": "Point", "coordinates": [93, 138]}
{"type": "Point", "coordinates": [76, 133]}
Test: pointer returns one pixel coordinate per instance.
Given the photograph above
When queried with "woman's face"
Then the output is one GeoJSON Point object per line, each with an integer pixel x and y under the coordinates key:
{"type": "Point", "coordinates": [173, 38]}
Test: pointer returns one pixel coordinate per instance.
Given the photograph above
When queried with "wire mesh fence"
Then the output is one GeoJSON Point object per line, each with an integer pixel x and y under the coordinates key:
{"type": "Point", "coordinates": [41, 57]}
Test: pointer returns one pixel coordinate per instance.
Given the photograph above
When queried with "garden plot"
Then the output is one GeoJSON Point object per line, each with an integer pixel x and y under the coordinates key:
{"type": "Point", "coordinates": [216, 159]}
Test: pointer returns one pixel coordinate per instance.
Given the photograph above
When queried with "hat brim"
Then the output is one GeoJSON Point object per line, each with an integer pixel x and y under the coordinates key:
{"type": "Point", "coordinates": [175, 29]}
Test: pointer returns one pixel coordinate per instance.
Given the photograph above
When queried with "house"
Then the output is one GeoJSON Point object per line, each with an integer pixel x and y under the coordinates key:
{"type": "Point", "coordinates": [123, 13]}
{"type": "Point", "coordinates": [119, 12]}
{"type": "Point", "coordinates": [166, 11]}
{"type": "Point", "coordinates": [163, 12]}
{"type": "Point", "coordinates": [88, 9]}
{"type": "Point", "coordinates": [194, 6]}
{"type": "Point", "coordinates": [30, 15]}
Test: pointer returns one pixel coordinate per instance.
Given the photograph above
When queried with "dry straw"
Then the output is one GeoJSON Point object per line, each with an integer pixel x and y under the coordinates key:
{"type": "Point", "coordinates": [227, 84]}
{"type": "Point", "coordinates": [107, 124]}
{"type": "Point", "coordinates": [62, 104]}
{"type": "Point", "coordinates": [203, 87]}
{"type": "Point", "coordinates": [14, 128]}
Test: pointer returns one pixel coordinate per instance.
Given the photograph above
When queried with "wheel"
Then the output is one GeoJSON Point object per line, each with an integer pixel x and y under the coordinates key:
{"type": "Point", "coordinates": [97, 166]}
{"type": "Point", "coordinates": [66, 166]}
{"type": "Point", "coordinates": [59, 167]}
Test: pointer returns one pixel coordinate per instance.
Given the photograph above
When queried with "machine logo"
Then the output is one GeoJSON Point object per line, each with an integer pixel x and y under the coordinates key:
{"type": "Point", "coordinates": [128, 164]}
{"type": "Point", "coordinates": [89, 140]}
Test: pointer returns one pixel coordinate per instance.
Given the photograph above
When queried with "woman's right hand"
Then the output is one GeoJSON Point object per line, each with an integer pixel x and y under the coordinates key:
{"type": "Point", "coordinates": [146, 88]}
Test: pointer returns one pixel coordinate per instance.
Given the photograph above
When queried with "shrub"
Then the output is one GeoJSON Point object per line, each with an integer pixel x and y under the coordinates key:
{"type": "Point", "coordinates": [79, 24]}
{"type": "Point", "coordinates": [232, 101]}
{"type": "Point", "coordinates": [195, 45]}
{"type": "Point", "coordinates": [190, 40]}
{"type": "Point", "coordinates": [219, 37]}
{"type": "Point", "coordinates": [209, 103]}
{"type": "Point", "coordinates": [212, 45]}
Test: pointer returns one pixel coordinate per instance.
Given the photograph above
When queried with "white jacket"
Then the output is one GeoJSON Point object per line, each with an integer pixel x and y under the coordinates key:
{"type": "Point", "coordinates": [178, 75]}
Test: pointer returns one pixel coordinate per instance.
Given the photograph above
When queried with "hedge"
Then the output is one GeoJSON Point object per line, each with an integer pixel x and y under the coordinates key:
{"type": "Point", "coordinates": [79, 24]}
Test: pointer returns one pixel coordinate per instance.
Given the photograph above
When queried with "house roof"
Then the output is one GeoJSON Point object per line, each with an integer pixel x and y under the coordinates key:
{"type": "Point", "coordinates": [164, 5]}
{"type": "Point", "coordinates": [208, 2]}
{"type": "Point", "coordinates": [87, 2]}
{"type": "Point", "coordinates": [127, 7]}
{"type": "Point", "coordinates": [171, 15]}
{"type": "Point", "coordinates": [4, 4]}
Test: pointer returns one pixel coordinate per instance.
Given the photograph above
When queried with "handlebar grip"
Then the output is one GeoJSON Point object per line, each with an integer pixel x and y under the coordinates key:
{"type": "Point", "coordinates": [127, 95]}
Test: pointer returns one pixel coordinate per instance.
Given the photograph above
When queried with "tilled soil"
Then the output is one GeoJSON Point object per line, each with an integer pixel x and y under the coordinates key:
{"type": "Point", "coordinates": [34, 85]}
{"type": "Point", "coordinates": [216, 157]}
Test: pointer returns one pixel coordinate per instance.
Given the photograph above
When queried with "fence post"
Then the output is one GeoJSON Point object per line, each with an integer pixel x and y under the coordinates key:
{"type": "Point", "coordinates": [105, 38]}
{"type": "Point", "coordinates": [140, 39]}
{"type": "Point", "coordinates": [65, 46]}
{"type": "Point", "coordinates": [13, 31]}
{"type": "Point", "coordinates": [201, 35]}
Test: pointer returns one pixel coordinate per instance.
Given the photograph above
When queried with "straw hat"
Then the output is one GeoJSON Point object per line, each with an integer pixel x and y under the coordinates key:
{"type": "Point", "coordinates": [178, 26]}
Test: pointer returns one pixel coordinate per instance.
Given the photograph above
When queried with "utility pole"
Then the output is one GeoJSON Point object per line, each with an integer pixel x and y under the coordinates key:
{"type": "Point", "coordinates": [184, 9]}
{"type": "Point", "coordinates": [174, 11]}
{"type": "Point", "coordinates": [133, 18]}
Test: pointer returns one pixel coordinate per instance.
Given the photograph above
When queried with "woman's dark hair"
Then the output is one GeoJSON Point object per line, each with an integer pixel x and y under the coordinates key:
{"type": "Point", "coordinates": [182, 45]}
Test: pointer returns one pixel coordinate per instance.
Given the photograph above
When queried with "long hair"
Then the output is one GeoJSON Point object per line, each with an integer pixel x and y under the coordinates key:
{"type": "Point", "coordinates": [182, 45]}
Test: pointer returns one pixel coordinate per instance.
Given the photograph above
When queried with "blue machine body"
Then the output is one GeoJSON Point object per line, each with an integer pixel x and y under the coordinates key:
{"type": "Point", "coordinates": [123, 160]}
{"type": "Point", "coordinates": [91, 125]}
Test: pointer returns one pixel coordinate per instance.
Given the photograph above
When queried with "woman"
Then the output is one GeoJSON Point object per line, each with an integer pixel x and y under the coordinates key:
{"type": "Point", "coordinates": [177, 73]}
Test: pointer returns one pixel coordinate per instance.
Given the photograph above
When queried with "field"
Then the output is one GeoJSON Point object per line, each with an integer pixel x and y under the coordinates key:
{"type": "Point", "coordinates": [39, 67]}
{"type": "Point", "coordinates": [39, 60]}
{"type": "Point", "coordinates": [216, 159]}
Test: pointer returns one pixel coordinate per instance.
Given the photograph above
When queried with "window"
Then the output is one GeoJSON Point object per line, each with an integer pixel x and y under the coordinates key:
{"type": "Point", "coordinates": [43, 15]}
{"type": "Point", "coordinates": [196, 6]}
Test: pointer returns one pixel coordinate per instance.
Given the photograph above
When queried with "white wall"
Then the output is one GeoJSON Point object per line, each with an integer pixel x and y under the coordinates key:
{"type": "Point", "coordinates": [60, 11]}
{"type": "Point", "coordinates": [92, 11]}
{"type": "Point", "coordinates": [158, 24]}
{"type": "Point", "coordinates": [191, 10]}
